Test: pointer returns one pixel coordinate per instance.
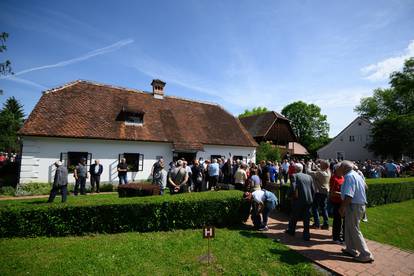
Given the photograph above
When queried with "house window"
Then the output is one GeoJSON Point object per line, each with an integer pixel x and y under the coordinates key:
{"type": "Point", "coordinates": [351, 138]}
{"type": "Point", "coordinates": [241, 158]}
{"type": "Point", "coordinates": [215, 157]}
{"type": "Point", "coordinates": [135, 161]}
{"type": "Point", "coordinates": [72, 158]}
{"type": "Point", "coordinates": [134, 118]}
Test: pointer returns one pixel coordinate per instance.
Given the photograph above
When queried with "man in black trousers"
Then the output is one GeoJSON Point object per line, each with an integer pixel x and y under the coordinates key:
{"type": "Point", "coordinates": [60, 182]}
{"type": "Point", "coordinates": [95, 171]}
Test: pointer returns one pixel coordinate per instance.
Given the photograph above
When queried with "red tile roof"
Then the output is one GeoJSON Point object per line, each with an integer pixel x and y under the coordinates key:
{"type": "Point", "coordinates": [83, 109]}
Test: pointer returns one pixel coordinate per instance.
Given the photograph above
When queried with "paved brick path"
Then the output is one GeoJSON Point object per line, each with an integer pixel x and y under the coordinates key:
{"type": "Point", "coordinates": [322, 250]}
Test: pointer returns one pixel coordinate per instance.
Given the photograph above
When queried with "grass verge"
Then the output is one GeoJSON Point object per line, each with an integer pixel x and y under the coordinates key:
{"type": "Point", "coordinates": [391, 224]}
{"type": "Point", "coordinates": [236, 252]}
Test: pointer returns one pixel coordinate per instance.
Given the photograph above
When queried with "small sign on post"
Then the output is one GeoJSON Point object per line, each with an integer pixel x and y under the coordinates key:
{"type": "Point", "coordinates": [208, 233]}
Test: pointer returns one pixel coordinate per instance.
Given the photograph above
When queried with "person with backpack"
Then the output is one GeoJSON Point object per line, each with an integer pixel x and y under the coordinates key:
{"type": "Point", "coordinates": [263, 203]}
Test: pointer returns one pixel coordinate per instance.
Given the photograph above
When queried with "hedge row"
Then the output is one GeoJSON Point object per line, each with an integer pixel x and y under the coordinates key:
{"type": "Point", "coordinates": [157, 213]}
{"type": "Point", "coordinates": [377, 194]}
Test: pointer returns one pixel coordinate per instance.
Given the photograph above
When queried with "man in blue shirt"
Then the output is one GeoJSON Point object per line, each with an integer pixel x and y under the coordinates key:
{"type": "Point", "coordinates": [391, 169]}
{"type": "Point", "coordinates": [213, 173]}
{"type": "Point", "coordinates": [353, 208]}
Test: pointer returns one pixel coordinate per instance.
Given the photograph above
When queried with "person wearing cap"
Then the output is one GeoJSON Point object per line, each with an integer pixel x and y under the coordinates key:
{"type": "Point", "coordinates": [60, 182]}
{"type": "Point", "coordinates": [301, 193]}
{"type": "Point", "coordinates": [80, 174]}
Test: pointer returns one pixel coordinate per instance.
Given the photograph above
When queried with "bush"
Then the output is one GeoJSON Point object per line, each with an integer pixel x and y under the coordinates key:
{"type": "Point", "coordinates": [379, 192]}
{"type": "Point", "coordinates": [41, 188]}
{"type": "Point", "coordinates": [7, 191]}
{"type": "Point", "coordinates": [267, 151]}
{"type": "Point", "coordinates": [138, 189]}
{"type": "Point", "coordinates": [116, 215]}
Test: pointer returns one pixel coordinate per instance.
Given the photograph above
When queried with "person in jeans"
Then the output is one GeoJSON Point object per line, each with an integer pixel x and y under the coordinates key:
{"type": "Point", "coordinates": [60, 182]}
{"type": "Point", "coordinates": [301, 193]}
{"type": "Point", "coordinates": [122, 171]}
{"type": "Point", "coordinates": [213, 173]}
{"type": "Point", "coordinates": [95, 171]}
{"type": "Point", "coordinates": [352, 208]}
{"type": "Point", "coordinates": [338, 226]}
{"type": "Point", "coordinates": [321, 179]}
{"type": "Point", "coordinates": [80, 174]}
{"type": "Point", "coordinates": [263, 203]}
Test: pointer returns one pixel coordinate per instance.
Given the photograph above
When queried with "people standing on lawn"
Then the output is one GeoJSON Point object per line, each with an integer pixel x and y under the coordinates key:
{"type": "Point", "coordinates": [122, 169]}
{"type": "Point", "coordinates": [321, 179]}
{"type": "Point", "coordinates": [338, 226]}
{"type": "Point", "coordinates": [240, 177]}
{"type": "Point", "coordinates": [95, 172]}
{"type": "Point", "coordinates": [285, 169]}
{"type": "Point", "coordinates": [352, 208]}
{"type": "Point", "coordinates": [197, 174]}
{"type": "Point", "coordinates": [263, 203]}
{"type": "Point", "coordinates": [178, 178]}
{"type": "Point", "coordinates": [81, 174]}
{"type": "Point", "coordinates": [227, 170]}
{"type": "Point", "coordinates": [60, 182]}
{"type": "Point", "coordinates": [189, 173]}
{"type": "Point", "coordinates": [157, 174]}
{"type": "Point", "coordinates": [301, 193]}
{"type": "Point", "coordinates": [213, 170]}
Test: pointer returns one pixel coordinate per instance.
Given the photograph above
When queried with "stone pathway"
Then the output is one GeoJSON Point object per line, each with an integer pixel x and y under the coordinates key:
{"type": "Point", "coordinates": [323, 251]}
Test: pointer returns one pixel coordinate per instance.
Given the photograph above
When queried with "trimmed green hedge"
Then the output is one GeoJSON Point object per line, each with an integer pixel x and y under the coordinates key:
{"type": "Point", "coordinates": [155, 213]}
{"type": "Point", "coordinates": [378, 193]}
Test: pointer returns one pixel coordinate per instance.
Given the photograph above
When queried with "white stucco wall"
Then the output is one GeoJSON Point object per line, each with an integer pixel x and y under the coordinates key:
{"type": "Point", "coordinates": [39, 154]}
{"type": "Point", "coordinates": [360, 129]}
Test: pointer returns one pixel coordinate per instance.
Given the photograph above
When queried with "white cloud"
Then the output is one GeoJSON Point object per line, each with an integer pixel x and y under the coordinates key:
{"type": "Point", "coordinates": [381, 71]}
{"type": "Point", "coordinates": [97, 52]}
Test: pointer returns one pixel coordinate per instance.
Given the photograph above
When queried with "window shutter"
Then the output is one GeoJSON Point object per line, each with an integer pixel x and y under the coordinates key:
{"type": "Point", "coordinates": [140, 162]}
{"type": "Point", "coordinates": [64, 158]}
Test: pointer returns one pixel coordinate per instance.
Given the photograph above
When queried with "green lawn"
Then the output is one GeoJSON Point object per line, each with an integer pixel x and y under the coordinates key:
{"type": "Point", "coordinates": [159, 253]}
{"type": "Point", "coordinates": [389, 180]}
{"type": "Point", "coordinates": [391, 224]}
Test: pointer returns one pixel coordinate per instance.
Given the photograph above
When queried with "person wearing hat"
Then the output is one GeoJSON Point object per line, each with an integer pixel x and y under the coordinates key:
{"type": "Point", "coordinates": [60, 182]}
{"type": "Point", "coordinates": [80, 174]}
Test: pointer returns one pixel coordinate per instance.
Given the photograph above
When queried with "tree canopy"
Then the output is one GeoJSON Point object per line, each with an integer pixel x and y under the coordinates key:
{"type": "Point", "coordinates": [5, 67]}
{"type": "Point", "coordinates": [392, 112]}
{"type": "Point", "coordinates": [309, 125]}
{"type": "Point", "coordinates": [11, 120]}
{"type": "Point", "coordinates": [266, 151]}
{"type": "Point", "coordinates": [255, 111]}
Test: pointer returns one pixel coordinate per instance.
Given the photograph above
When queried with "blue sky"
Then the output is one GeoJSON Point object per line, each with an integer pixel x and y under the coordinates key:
{"type": "Point", "coordinates": [240, 54]}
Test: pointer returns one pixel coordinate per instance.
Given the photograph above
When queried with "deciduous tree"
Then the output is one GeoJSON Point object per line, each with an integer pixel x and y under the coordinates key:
{"type": "Point", "coordinates": [255, 111]}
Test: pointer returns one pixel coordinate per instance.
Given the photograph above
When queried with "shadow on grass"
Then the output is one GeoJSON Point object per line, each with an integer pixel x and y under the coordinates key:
{"type": "Point", "coordinates": [252, 234]}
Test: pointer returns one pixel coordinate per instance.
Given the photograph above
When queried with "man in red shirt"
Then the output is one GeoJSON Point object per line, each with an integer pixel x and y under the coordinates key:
{"type": "Point", "coordinates": [335, 198]}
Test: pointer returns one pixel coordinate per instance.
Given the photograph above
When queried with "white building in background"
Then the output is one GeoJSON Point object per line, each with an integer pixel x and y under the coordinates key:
{"type": "Point", "coordinates": [96, 121]}
{"type": "Point", "coordinates": [351, 143]}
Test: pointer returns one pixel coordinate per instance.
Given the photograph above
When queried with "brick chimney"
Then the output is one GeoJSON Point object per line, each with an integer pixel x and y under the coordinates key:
{"type": "Point", "coordinates": [158, 88]}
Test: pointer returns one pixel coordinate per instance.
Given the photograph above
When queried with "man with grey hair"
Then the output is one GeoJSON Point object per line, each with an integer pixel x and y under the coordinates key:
{"type": "Point", "coordinates": [177, 179]}
{"type": "Point", "coordinates": [301, 193]}
{"type": "Point", "coordinates": [321, 179]}
{"type": "Point", "coordinates": [352, 208]}
{"type": "Point", "coordinates": [213, 173]}
{"type": "Point", "coordinates": [122, 169]}
{"type": "Point", "coordinates": [60, 182]}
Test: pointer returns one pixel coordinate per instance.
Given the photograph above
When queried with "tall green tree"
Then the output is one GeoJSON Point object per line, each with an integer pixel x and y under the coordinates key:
{"type": "Point", "coordinates": [266, 151]}
{"type": "Point", "coordinates": [392, 112]}
{"type": "Point", "coordinates": [11, 120]}
{"type": "Point", "coordinates": [309, 125]}
{"type": "Point", "coordinates": [255, 111]}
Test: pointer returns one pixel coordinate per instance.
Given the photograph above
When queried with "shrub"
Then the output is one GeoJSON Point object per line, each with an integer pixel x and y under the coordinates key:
{"type": "Point", "coordinates": [42, 188]}
{"type": "Point", "coordinates": [138, 189]}
{"type": "Point", "coordinates": [154, 213]}
{"type": "Point", "coordinates": [7, 191]}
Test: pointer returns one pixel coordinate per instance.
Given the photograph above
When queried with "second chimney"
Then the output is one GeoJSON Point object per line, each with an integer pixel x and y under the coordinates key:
{"type": "Point", "coordinates": [158, 88]}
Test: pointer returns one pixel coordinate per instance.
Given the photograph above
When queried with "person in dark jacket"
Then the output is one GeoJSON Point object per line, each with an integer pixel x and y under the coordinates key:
{"type": "Point", "coordinates": [301, 192]}
{"type": "Point", "coordinates": [197, 174]}
{"type": "Point", "coordinates": [95, 171]}
{"type": "Point", "coordinates": [60, 182]}
{"type": "Point", "coordinates": [80, 174]}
